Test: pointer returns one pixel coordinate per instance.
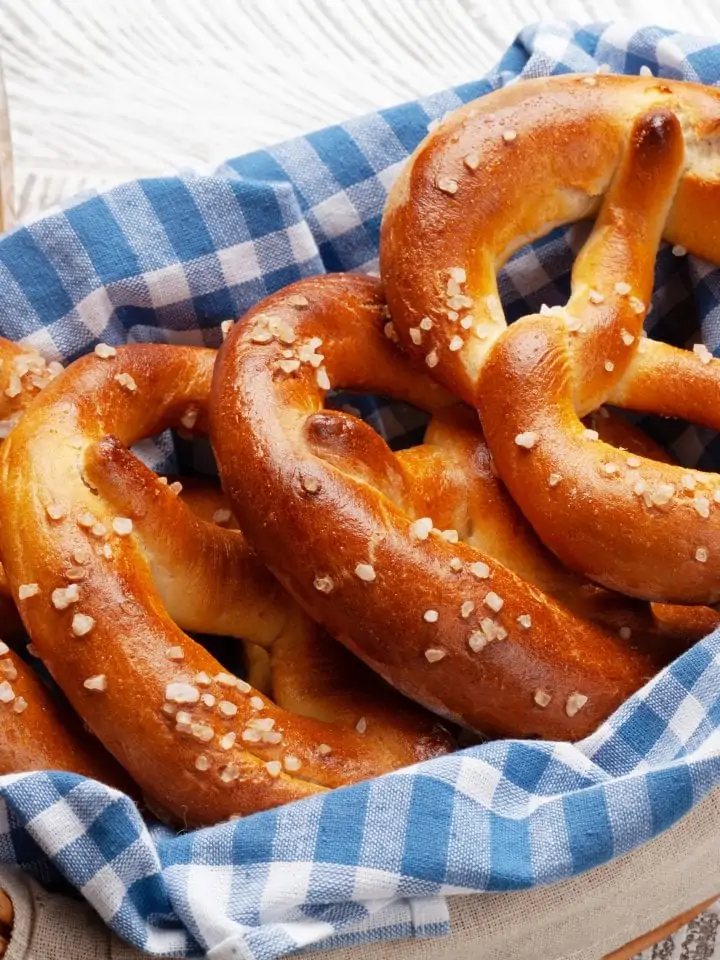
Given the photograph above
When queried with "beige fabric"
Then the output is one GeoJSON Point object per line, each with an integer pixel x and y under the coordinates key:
{"type": "Point", "coordinates": [580, 919]}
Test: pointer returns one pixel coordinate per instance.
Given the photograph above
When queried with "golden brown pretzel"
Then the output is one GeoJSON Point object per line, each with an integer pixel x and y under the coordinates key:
{"type": "Point", "coordinates": [97, 587]}
{"type": "Point", "coordinates": [454, 631]}
{"type": "Point", "coordinates": [639, 154]}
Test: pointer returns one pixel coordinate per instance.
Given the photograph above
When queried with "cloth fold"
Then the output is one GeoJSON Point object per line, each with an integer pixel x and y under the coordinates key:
{"type": "Point", "coordinates": [169, 259]}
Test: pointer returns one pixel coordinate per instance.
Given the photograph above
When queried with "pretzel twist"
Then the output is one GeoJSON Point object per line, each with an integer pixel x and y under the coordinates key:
{"type": "Point", "coordinates": [640, 155]}
{"type": "Point", "coordinates": [433, 615]}
{"type": "Point", "coordinates": [102, 591]}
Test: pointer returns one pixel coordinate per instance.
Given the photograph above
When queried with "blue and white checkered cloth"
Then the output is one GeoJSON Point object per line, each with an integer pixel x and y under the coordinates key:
{"type": "Point", "coordinates": [168, 259]}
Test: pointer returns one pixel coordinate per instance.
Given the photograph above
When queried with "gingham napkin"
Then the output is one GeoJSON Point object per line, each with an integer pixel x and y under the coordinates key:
{"type": "Point", "coordinates": [168, 259]}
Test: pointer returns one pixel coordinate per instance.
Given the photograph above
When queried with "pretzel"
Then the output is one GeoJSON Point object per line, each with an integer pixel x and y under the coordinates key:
{"type": "Point", "coordinates": [437, 618]}
{"type": "Point", "coordinates": [638, 154]}
{"type": "Point", "coordinates": [104, 595]}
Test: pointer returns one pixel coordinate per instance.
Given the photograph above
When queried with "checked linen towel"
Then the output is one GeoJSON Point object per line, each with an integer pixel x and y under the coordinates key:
{"type": "Point", "coordinates": [169, 259]}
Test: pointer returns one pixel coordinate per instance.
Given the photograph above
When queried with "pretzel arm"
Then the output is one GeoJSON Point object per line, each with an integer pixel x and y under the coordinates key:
{"type": "Point", "coordinates": [672, 383]}
{"type": "Point", "coordinates": [411, 602]}
{"type": "Point", "coordinates": [221, 587]}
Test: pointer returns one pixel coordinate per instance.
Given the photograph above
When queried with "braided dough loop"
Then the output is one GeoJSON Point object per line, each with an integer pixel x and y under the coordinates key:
{"type": "Point", "coordinates": [201, 744]}
{"type": "Point", "coordinates": [330, 509]}
{"type": "Point", "coordinates": [640, 154]}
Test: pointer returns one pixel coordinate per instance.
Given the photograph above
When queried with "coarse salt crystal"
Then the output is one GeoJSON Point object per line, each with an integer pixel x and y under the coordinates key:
{"type": "Point", "coordinates": [477, 641]}
{"type": "Point", "coordinates": [447, 185]}
{"type": "Point", "coordinates": [62, 597]}
{"type": "Point", "coordinates": [324, 584]}
{"type": "Point", "coordinates": [480, 570]}
{"type": "Point", "coordinates": [420, 529]}
{"type": "Point", "coordinates": [181, 693]}
{"type": "Point", "coordinates": [365, 571]}
{"type": "Point", "coordinates": [432, 654]}
{"type": "Point", "coordinates": [493, 601]}
{"type": "Point", "coordinates": [701, 351]}
{"type": "Point", "coordinates": [575, 702]}
{"type": "Point", "coordinates": [527, 439]}
{"type": "Point", "coordinates": [82, 624]}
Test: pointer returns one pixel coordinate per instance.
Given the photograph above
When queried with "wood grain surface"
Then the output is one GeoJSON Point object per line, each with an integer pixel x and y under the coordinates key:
{"type": "Point", "coordinates": [105, 90]}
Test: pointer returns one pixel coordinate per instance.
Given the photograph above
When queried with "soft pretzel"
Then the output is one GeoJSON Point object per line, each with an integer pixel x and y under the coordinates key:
{"type": "Point", "coordinates": [638, 154]}
{"type": "Point", "coordinates": [98, 589]}
{"type": "Point", "coordinates": [434, 616]}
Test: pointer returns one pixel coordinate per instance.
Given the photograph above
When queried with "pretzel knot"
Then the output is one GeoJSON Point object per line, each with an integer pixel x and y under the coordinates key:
{"type": "Point", "coordinates": [107, 565]}
{"type": "Point", "coordinates": [641, 157]}
{"type": "Point", "coordinates": [343, 522]}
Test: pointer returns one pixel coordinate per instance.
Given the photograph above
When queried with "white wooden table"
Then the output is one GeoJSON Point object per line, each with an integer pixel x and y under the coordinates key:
{"type": "Point", "coordinates": [105, 90]}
